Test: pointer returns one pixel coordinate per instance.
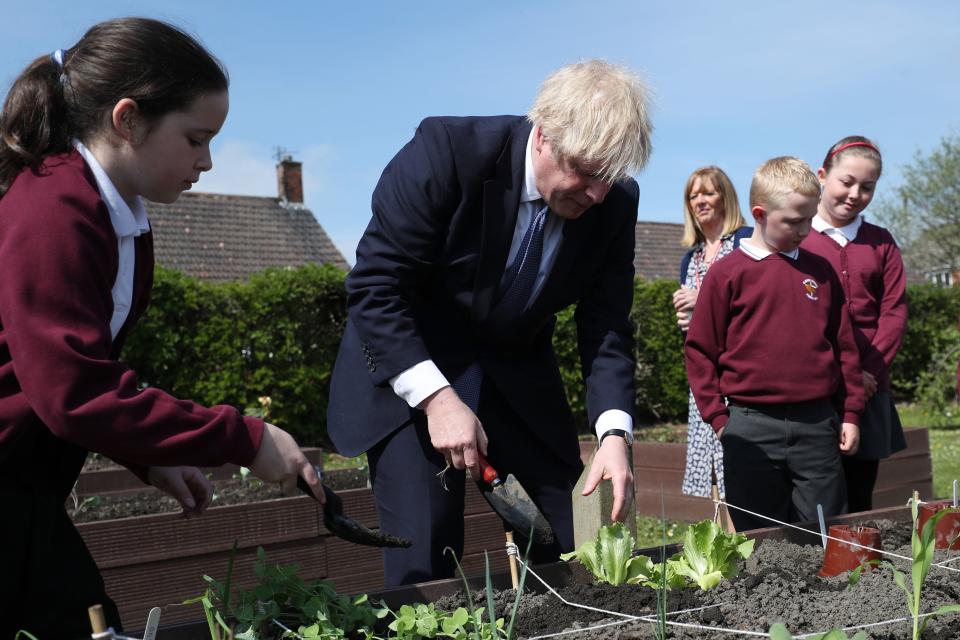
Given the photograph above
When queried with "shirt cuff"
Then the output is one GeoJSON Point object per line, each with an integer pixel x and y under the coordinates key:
{"type": "Point", "coordinates": [719, 422]}
{"type": "Point", "coordinates": [852, 417]}
{"type": "Point", "coordinates": [418, 382]}
{"type": "Point", "coordinates": [613, 419]}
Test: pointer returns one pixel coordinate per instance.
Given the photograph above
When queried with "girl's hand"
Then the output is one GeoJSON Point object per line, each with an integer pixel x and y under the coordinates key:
{"type": "Point", "coordinates": [849, 438]}
{"type": "Point", "coordinates": [280, 460]}
{"type": "Point", "coordinates": [684, 299]}
{"type": "Point", "coordinates": [187, 484]}
{"type": "Point", "coordinates": [683, 319]}
{"type": "Point", "coordinates": [869, 385]}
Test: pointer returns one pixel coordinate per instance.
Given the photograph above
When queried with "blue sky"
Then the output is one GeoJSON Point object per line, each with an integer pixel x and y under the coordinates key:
{"type": "Point", "coordinates": [343, 84]}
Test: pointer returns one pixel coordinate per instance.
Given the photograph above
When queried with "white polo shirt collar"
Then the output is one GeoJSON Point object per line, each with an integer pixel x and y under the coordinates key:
{"type": "Point", "coordinates": [759, 253]}
{"type": "Point", "coordinates": [840, 235]}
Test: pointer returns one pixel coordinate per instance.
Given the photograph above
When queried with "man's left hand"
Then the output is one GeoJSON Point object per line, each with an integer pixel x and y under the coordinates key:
{"type": "Point", "coordinates": [612, 463]}
{"type": "Point", "coordinates": [187, 484]}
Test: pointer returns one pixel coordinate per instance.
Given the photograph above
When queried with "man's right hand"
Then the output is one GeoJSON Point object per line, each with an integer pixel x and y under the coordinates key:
{"type": "Point", "coordinates": [455, 430]}
{"type": "Point", "coordinates": [280, 459]}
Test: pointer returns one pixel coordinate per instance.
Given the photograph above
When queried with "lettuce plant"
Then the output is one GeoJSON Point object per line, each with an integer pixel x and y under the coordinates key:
{"type": "Point", "coordinates": [609, 557]}
{"type": "Point", "coordinates": [710, 554]}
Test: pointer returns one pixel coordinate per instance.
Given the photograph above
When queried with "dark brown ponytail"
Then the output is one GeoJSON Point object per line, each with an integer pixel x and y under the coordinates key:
{"type": "Point", "coordinates": [154, 63]}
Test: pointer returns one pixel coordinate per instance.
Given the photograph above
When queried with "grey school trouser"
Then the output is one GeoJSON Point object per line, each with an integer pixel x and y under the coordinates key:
{"type": "Point", "coordinates": [781, 461]}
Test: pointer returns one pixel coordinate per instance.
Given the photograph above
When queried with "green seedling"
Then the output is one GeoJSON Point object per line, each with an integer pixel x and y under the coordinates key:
{"type": "Point", "coordinates": [24, 634]}
{"type": "Point", "coordinates": [922, 546]}
{"type": "Point", "coordinates": [710, 554]}
{"type": "Point", "coordinates": [314, 610]}
{"type": "Point", "coordinates": [779, 632]}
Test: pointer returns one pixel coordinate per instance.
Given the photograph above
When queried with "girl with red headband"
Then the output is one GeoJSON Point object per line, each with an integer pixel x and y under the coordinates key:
{"type": "Point", "coordinates": [868, 262]}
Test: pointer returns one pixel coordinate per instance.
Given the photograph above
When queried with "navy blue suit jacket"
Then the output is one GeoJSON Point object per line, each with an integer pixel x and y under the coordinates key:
{"type": "Point", "coordinates": [428, 268]}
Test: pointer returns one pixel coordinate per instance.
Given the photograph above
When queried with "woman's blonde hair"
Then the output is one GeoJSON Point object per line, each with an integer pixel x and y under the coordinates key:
{"type": "Point", "coordinates": [596, 113]}
{"type": "Point", "coordinates": [732, 217]}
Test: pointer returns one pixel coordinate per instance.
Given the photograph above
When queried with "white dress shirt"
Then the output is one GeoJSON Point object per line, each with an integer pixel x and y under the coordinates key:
{"type": "Point", "coordinates": [425, 378]}
{"type": "Point", "coordinates": [840, 235]}
{"type": "Point", "coordinates": [127, 224]}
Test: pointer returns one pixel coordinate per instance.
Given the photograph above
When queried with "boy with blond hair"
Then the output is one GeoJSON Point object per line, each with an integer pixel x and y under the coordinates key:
{"type": "Point", "coordinates": [772, 360]}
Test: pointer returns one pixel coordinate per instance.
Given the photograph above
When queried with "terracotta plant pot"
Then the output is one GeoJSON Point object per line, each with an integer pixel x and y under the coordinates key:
{"type": "Point", "coordinates": [948, 527]}
{"type": "Point", "coordinates": [839, 557]}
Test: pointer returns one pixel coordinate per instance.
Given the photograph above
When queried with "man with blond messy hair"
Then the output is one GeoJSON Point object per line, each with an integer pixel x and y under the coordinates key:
{"type": "Point", "coordinates": [483, 228]}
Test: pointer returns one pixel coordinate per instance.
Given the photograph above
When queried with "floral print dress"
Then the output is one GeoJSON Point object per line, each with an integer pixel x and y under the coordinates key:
{"type": "Point", "coordinates": [704, 452]}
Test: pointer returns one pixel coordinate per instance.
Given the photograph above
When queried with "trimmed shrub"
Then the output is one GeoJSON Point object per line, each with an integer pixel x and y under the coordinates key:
{"type": "Point", "coordinates": [277, 335]}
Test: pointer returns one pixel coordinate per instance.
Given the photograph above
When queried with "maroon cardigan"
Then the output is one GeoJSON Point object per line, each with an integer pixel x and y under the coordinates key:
{"type": "Point", "coordinates": [771, 332]}
{"type": "Point", "coordinates": [875, 286]}
{"type": "Point", "coordinates": [62, 389]}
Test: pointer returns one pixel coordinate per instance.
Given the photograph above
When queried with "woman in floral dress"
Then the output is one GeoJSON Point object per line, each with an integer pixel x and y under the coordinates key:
{"type": "Point", "coordinates": [712, 228]}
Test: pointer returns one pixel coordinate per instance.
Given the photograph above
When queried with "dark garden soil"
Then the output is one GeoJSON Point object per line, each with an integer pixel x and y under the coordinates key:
{"type": "Point", "coordinates": [779, 583]}
{"type": "Point", "coordinates": [226, 492]}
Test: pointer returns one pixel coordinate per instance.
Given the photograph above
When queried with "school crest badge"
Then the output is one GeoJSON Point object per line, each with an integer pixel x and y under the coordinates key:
{"type": "Point", "coordinates": [810, 287]}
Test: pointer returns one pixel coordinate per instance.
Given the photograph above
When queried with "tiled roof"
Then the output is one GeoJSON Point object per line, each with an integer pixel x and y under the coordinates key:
{"type": "Point", "coordinates": [225, 237]}
{"type": "Point", "coordinates": [658, 251]}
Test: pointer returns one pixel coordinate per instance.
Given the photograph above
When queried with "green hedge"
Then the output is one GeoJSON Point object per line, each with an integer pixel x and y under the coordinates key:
{"type": "Point", "coordinates": [277, 335]}
{"type": "Point", "coordinates": [926, 367]}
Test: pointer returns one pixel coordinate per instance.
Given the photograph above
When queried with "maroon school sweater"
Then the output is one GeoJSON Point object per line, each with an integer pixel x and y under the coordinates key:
{"type": "Point", "coordinates": [871, 271]}
{"type": "Point", "coordinates": [59, 372]}
{"type": "Point", "coordinates": [772, 331]}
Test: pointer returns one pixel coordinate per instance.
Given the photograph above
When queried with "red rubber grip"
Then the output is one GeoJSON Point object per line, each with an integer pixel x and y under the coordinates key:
{"type": "Point", "coordinates": [490, 474]}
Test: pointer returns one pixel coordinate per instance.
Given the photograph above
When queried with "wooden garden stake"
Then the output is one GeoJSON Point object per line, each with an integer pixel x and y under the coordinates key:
{"type": "Point", "coordinates": [513, 561]}
{"type": "Point", "coordinates": [97, 622]}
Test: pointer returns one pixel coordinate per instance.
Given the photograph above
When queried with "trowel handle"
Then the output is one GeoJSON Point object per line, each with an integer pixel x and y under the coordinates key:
{"type": "Point", "coordinates": [490, 475]}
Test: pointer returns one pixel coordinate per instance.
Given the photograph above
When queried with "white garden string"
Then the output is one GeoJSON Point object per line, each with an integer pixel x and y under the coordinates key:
{"type": "Point", "coordinates": [817, 533]}
{"type": "Point", "coordinates": [513, 550]}
{"type": "Point", "coordinates": [629, 617]}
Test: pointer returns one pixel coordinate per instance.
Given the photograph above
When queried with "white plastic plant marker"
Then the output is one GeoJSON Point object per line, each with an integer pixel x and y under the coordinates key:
{"type": "Point", "coordinates": [954, 494]}
{"type": "Point", "coordinates": [823, 525]}
{"type": "Point", "coordinates": [153, 622]}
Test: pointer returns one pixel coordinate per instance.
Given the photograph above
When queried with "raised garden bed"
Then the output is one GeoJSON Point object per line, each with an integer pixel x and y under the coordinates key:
{"type": "Point", "coordinates": [159, 560]}
{"type": "Point", "coordinates": [156, 560]}
{"type": "Point", "coordinates": [658, 471]}
{"type": "Point", "coordinates": [778, 583]}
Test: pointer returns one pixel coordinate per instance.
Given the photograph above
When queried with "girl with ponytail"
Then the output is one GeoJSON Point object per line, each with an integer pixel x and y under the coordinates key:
{"type": "Point", "coordinates": [86, 133]}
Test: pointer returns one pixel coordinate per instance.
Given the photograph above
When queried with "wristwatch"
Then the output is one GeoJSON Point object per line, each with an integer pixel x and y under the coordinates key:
{"type": "Point", "coordinates": [626, 435]}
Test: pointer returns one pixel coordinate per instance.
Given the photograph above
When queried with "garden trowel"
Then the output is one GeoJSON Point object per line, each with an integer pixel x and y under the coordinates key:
{"type": "Point", "coordinates": [347, 528]}
{"type": "Point", "coordinates": [512, 503]}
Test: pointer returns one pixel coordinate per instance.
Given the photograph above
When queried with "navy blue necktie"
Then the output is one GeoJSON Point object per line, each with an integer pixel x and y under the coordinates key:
{"type": "Point", "coordinates": [515, 289]}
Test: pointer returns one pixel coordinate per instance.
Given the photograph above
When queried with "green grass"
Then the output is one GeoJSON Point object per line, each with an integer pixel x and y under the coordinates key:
{"type": "Point", "coordinates": [945, 452]}
{"type": "Point", "coordinates": [944, 429]}
{"type": "Point", "coordinates": [333, 461]}
{"type": "Point", "coordinates": [650, 533]}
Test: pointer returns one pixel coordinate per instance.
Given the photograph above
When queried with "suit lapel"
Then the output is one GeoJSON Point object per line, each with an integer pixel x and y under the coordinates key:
{"type": "Point", "coordinates": [501, 200]}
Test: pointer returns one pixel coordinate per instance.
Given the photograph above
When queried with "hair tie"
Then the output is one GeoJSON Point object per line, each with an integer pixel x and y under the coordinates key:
{"type": "Point", "coordinates": [847, 146]}
{"type": "Point", "coordinates": [57, 57]}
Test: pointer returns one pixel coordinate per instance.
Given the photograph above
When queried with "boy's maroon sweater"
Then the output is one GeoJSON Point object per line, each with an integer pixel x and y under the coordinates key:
{"type": "Point", "coordinates": [870, 269]}
{"type": "Point", "coordinates": [58, 362]}
{"type": "Point", "coordinates": [772, 331]}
